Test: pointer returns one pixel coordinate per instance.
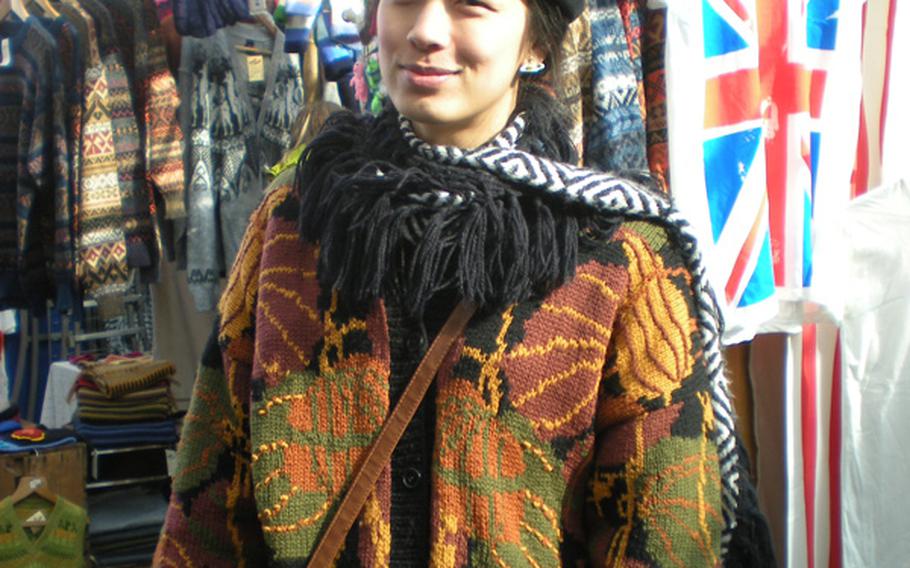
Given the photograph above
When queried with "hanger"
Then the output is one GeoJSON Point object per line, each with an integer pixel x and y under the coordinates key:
{"type": "Point", "coordinates": [253, 50]}
{"type": "Point", "coordinates": [30, 485]}
{"type": "Point", "coordinates": [14, 6]}
{"type": "Point", "coordinates": [268, 22]}
{"type": "Point", "coordinates": [48, 9]}
{"type": "Point", "coordinates": [33, 485]}
{"type": "Point", "coordinates": [265, 20]}
{"type": "Point", "coordinates": [18, 8]}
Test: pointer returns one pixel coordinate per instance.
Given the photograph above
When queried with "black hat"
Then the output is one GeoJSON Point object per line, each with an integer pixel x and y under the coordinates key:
{"type": "Point", "coordinates": [571, 8]}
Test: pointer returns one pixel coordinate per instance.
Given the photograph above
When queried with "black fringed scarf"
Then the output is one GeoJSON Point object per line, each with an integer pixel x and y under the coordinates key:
{"type": "Point", "coordinates": [391, 222]}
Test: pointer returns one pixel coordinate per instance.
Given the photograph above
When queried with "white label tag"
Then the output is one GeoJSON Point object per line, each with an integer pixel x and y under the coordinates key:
{"type": "Point", "coordinates": [255, 68]}
{"type": "Point", "coordinates": [257, 7]}
{"type": "Point", "coordinates": [6, 58]}
{"type": "Point", "coordinates": [38, 517]}
{"type": "Point", "coordinates": [170, 456]}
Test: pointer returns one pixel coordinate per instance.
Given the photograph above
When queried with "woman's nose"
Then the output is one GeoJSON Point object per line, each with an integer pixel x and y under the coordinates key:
{"type": "Point", "coordinates": [432, 26]}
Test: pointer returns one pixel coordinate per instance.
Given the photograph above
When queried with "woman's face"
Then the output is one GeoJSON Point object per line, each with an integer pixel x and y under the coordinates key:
{"type": "Point", "coordinates": [451, 66]}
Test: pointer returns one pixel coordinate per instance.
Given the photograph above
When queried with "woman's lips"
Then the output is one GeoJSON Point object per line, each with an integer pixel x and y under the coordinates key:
{"type": "Point", "coordinates": [426, 77]}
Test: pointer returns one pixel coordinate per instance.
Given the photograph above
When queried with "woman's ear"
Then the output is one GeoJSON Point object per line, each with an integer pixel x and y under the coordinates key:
{"type": "Point", "coordinates": [533, 62]}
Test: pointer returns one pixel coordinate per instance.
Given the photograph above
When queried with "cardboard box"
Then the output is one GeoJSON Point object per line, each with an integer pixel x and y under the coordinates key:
{"type": "Point", "coordinates": [64, 469]}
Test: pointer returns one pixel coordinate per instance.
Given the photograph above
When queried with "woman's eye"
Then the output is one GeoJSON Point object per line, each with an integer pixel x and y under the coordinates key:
{"type": "Point", "coordinates": [477, 4]}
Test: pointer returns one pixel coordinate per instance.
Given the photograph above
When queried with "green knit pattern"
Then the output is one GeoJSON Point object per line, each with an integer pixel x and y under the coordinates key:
{"type": "Point", "coordinates": [59, 544]}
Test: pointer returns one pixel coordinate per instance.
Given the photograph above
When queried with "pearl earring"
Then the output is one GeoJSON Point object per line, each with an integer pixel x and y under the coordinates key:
{"type": "Point", "coordinates": [532, 68]}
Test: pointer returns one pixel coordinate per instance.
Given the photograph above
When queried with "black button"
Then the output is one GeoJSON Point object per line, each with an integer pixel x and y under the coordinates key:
{"type": "Point", "coordinates": [415, 345]}
{"type": "Point", "coordinates": [411, 477]}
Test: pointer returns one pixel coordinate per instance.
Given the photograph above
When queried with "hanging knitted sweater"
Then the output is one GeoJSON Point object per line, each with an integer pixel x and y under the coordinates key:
{"type": "Point", "coordinates": [155, 101]}
{"type": "Point", "coordinates": [574, 422]}
{"type": "Point", "coordinates": [164, 136]}
{"type": "Point", "coordinates": [615, 135]}
{"type": "Point", "coordinates": [71, 56]}
{"type": "Point", "coordinates": [59, 543]}
{"type": "Point", "coordinates": [36, 260]}
{"type": "Point", "coordinates": [141, 244]}
{"type": "Point", "coordinates": [100, 239]}
{"type": "Point", "coordinates": [237, 111]}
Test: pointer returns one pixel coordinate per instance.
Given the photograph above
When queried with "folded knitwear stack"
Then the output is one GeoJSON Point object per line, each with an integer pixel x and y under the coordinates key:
{"type": "Point", "coordinates": [126, 402]}
{"type": "Point", "coordinates": [125, 525]}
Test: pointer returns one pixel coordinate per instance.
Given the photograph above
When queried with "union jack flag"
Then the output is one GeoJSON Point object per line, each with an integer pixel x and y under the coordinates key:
{"type": "Point", "coordinates": [763, 67]}
{"type": "Point", "coordinates": [726, 192]}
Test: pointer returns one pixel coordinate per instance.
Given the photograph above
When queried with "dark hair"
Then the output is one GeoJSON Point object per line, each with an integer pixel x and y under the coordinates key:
{"type": "Point", "coordinates": [548, 27]}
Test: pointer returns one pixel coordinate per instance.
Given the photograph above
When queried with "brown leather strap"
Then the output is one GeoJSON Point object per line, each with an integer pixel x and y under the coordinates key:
{"type": "Point", "coordinates": [380, 453]}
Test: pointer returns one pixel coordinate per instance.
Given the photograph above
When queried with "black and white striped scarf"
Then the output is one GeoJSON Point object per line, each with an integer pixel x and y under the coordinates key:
{"type": "Point", "coordinates": [367, 189]}
{"type": "Point", "coordinates": [614, 196]}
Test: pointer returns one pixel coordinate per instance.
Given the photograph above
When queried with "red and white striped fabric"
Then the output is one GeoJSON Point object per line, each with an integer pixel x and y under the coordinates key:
{"type": "Point", "coordinates": [830, 504]}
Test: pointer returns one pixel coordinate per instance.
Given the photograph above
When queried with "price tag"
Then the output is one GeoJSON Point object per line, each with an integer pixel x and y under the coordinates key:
{"type": "Point", "coordinates": [38, 517]}
{"type": "Point", "coordinates": [255, 68]}
{"type": "Point", "coordinates": [170, 456]}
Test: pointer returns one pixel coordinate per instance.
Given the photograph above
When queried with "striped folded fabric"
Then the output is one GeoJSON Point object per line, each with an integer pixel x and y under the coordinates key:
{"type": "Point", "coordinates": [120, 378]}
{"type": "Point", "coordinates": [138, 414]}
{"type": "Point", "coordinates": [150, 404]}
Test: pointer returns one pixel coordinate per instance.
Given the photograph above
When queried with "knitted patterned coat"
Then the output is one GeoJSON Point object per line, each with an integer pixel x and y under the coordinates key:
{"type": "Point", "coordinates": [571, 429]}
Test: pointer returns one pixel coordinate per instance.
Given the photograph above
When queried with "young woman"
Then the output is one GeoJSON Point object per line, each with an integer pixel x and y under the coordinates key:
{"type": "Point", "coordinates": [581, 418]}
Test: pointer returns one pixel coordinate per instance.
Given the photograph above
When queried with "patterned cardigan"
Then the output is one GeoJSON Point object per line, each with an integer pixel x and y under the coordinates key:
{"type": "Point", "coordinates": [570, 430]}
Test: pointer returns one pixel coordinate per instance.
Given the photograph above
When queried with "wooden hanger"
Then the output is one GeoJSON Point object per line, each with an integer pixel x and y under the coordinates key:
{"type": "Point", "coordinates": [18, 8]}
{"type": "Point", "coordinates": [268, 22]}
{"type": "Point", "coordinates": [253, 50]}
{"type": "Point", "coordinates": [48, 8]}
{"type": "Point", "coordinates": [33, 485]}
{"type": "Point", "coordinates": [14, 6]}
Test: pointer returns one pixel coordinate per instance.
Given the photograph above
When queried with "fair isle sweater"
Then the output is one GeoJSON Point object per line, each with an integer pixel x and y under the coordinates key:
{"type": "Point", "coordinates": [36, 259]}
{"type": "Point", "coordinates": [237, 127]}
{"type": "Point", "coordinates": [100, 238]}
{"type": "Point", "coordinates": [572, 429]}
{"type": "Point", "coordinates": [615, 133]}
{"type": "Point", "coordinates": [155, 101]}
{"type": "Point", "coordinates": [163, 134]}
{"type": "Point", "coordinates": [141, 244]}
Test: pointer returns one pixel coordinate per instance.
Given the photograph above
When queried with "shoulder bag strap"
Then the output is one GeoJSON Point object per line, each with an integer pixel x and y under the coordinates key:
{"type": "Point", "coordinates": [380, 453]}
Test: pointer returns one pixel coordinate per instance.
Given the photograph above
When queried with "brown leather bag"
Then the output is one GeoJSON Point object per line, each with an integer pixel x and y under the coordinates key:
{"type": "Point", "coordinates": [380, 453]}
